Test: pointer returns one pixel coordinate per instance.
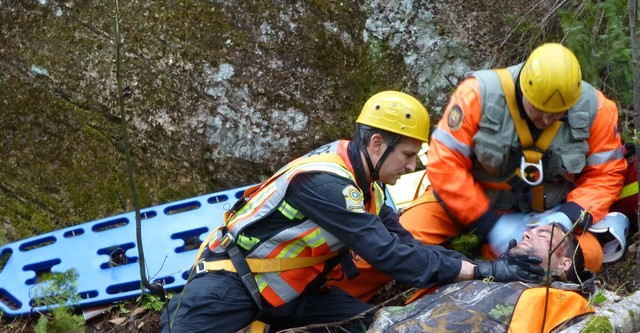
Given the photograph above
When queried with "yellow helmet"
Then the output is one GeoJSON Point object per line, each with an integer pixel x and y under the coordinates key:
{"type": "Point", "coordinates": [398, 113]}
{"type": "Point", "coordinates": [551, 79]}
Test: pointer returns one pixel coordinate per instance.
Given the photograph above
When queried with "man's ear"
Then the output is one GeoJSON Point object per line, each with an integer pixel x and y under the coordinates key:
{"type": "Point", "coordinates": [376, 143]}
{"type": "Point", "coordinates": [565, 264]}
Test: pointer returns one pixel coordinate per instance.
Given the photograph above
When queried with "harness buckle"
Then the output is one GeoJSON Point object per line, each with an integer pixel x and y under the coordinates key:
{"type": "Point", "coordinates": [226, 240]}
{"type": "Point", "coordinates": [531, 173]}
{"type": "Point", "coordinates": [200, 267]}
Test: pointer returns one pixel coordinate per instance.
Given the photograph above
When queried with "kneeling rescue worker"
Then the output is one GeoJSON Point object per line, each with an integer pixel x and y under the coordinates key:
{"type": "Point", "coordinates": [287, 237]}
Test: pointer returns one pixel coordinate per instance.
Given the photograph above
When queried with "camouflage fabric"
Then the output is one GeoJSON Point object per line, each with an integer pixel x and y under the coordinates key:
{"type": "Point", "coordinates": [469, 306]}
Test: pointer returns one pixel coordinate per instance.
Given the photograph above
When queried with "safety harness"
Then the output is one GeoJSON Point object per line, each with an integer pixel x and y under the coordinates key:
{"type": "Point", "coordinates": [247, 267]}
{"type": "Point", "coordinates": [530, 170]}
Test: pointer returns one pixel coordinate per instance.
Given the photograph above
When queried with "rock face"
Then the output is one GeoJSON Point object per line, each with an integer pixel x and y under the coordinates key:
{"type": "Point", "coordinates": [219, 93]}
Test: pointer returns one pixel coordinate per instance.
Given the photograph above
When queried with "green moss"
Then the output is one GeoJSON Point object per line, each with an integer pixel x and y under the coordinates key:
{"type": "Point", "coordinates": [598, 324]}
{"type": "Point", "coordinates": [63, 159]}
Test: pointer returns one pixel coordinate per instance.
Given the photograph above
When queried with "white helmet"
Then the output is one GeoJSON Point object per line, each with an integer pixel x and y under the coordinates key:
{"type": "Point", "coordinates": [617, 225]}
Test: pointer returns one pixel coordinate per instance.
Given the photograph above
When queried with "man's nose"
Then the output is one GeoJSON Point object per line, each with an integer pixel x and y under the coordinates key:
{"type": "Point", "coordinates": [411, 166]}
{"type": "Point", "coordinates": [548, 118]}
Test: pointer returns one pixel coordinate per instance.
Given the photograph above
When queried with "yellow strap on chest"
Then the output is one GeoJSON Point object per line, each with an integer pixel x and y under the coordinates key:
{"type": "Point", "coordinates": [532, 152]}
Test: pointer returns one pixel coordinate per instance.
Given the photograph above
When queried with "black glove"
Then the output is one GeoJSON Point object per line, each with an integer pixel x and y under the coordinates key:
{"type": "Point", "coordinates": [523, 268]}
{"type": "Point", "coordinates": [512, 243]}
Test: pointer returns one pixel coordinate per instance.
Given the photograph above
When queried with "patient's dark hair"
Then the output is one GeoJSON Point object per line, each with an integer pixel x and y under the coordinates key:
{"type": "Point", "coordinates": [573, 251]}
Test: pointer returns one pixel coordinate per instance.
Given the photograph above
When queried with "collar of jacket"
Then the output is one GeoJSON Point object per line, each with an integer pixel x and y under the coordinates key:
{"type": "Point", "coordinates": [358, 170]}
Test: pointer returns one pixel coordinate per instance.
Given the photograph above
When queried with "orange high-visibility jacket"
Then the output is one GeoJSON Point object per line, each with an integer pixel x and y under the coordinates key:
{"type": "Point", "coordinates": [304, 238]}
{"type": "Point", "coordinates": [593, 181]}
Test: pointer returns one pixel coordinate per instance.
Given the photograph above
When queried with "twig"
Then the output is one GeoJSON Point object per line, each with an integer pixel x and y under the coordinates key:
{"type": "Point", "coordinates": [338, 324]}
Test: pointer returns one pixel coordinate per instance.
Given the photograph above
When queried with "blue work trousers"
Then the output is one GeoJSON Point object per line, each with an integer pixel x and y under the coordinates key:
{"type": "Point", "coordinates": [219, 302]}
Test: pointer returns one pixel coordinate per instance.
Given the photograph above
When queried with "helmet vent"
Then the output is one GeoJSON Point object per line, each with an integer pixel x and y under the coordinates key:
{"type": "Point", "coordinates": [407, 115]}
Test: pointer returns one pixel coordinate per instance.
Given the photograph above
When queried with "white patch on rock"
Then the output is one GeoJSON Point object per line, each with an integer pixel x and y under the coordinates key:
{"type": "Point", "coordinates": [408, 25]}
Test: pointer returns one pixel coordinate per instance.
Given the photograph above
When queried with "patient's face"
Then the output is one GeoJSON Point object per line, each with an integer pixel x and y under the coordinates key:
{"type": "Point", "coordinates": [538, 242]}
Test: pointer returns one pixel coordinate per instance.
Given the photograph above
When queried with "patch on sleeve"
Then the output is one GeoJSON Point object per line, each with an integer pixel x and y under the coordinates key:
{"type": "Point", "coordinates": [455, 118]}
{"type": "Point", "coordinates": [353, 199]}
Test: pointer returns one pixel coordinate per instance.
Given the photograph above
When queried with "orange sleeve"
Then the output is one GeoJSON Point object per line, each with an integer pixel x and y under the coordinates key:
{"type": "Point", "coordinates": [601, 181]}
{"type": "Point", "coordinates": [449, 159]}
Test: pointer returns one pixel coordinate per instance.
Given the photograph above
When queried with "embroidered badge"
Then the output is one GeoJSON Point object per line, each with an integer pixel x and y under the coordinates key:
{"type": "Point", "coordinates": [455, 118]}
{"type": "Point", "coordinates": [353, 199]}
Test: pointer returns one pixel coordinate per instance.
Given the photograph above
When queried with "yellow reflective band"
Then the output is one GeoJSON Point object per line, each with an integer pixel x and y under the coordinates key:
{"type": "Point", "coordinates": [289, 212]}
{"type": "Point", "coordinates": [629, 190]}
{"type": "Point", "coordinates": [247, 242]}
{"type": "Point", "coordinates": [312, 240]}
{"type": "Point", "coordinates": [262, 282]}
{"type": "Point", "coordinates": [317, 235]}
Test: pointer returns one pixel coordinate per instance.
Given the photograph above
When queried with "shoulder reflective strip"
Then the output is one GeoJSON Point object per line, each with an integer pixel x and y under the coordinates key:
{"type": "Point", "coordinates": [379, 196]}
{"type": "Point", "coordinates": [448, 140]}
{"type": "Point", "coordinates": [320, 167]}
{"type": "Point", "coordinates": [330, 162]}
{"type": "Point", "coordinates": [629, 190]}
{"type": "Point", "coordinates": [605, 156]}
{"type": "Point", "coordinates": [269, 265]}
{"type": "Point", "coordinates": [243, 217]}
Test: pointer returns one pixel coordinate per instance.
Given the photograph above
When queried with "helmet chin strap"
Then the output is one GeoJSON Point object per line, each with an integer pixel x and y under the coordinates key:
{"type": "Point", "coordinates": [375, 172]}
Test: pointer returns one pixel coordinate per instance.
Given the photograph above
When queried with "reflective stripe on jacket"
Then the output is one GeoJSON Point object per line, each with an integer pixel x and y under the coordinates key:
{"type": "Point", "coordinates": [304, 238]}
{"type": "Point", "coordinates": [475, 148]}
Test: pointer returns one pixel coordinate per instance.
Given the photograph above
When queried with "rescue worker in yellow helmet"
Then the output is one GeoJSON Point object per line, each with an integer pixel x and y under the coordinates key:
{"type": "Point", "coordinates": [284, 240]}
{"type": "Point", "coordinates": [532, 139]}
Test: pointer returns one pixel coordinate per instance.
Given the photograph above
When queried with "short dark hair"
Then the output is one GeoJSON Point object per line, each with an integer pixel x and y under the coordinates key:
{"type": "Point", "coordinates": [364, 133]}
{"type": "Point", "coordinates": [573, 251]}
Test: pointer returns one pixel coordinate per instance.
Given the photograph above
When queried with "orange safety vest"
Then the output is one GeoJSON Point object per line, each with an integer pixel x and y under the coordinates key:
{"type": "Point", "coordinates": [304, 239]}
